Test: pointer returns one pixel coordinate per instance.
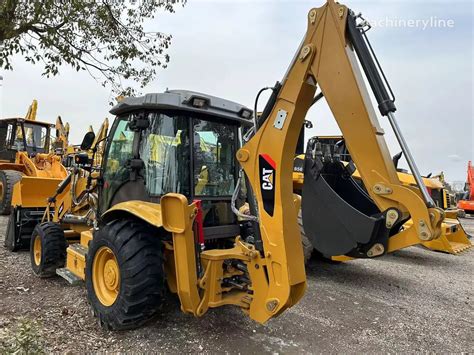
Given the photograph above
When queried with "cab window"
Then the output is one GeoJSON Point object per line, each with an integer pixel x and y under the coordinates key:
{"type": "Point", "coordinates": [214, 158]}
{"type": "Point", "coordinates": [116, 172]}
{"type": "Point", "coordinates": [165, 151]}
{"type": "Point", "coordinates": [35, 136]}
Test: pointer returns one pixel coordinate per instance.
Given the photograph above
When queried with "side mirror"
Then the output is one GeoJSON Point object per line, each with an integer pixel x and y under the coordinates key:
{"type": "Point", "coordinates": [87, 141]}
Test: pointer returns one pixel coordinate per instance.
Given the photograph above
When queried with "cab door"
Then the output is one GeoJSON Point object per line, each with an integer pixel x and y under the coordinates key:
{"type": "Point", "coordinates": [115, 166]}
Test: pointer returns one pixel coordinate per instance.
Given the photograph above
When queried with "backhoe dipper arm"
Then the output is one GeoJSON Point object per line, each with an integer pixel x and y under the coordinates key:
{"type": "Point", "coordinates": [62, 133]}
{"type": "Point", "coordinates": [326, 58]}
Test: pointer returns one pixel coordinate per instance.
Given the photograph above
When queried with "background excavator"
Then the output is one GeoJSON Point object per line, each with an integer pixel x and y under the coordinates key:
{"type": "Point", "coordinates": [168, 210]}
{"type": "Point", "coordinates": [30, 170]}
{"type": "Point", "coordinates": [466, 202]}
{"type": "Point", "coordinates": [61, 144]}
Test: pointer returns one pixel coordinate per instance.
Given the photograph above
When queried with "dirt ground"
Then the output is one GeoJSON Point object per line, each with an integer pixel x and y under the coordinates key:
{"type": "Point", "coordinates": [411, 300]}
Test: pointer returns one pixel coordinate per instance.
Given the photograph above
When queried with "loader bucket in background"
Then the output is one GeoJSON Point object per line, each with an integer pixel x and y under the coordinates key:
{"type": "Point", "coordinates": [338, 216]}
{"type": "Point", "coordinates": [453, 239]}
{"type": "Point", "coordinates": [33, 192]}
{"type": "Point", "coordinates": [29, 201]}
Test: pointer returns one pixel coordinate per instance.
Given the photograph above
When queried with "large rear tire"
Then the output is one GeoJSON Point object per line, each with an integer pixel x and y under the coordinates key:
{"type": "Point", "coordinates": [8, 178]}
{"type": "Point", "coordinates": [124, 274]}
{"type": "Point", "coordinates": [47, 249]}
{"type": "Point", "coordinates": [307, 245]}
{"type": "Point", "coordinates": [10, 242]}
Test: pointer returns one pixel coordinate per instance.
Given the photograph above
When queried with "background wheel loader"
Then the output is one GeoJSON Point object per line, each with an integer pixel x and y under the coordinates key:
{"type": "Point", "coordinates": [333, 149]}
{"type": "Point", "coordinates": [168, 208]}
{"type": "Point", "coordinates": [30, 171]}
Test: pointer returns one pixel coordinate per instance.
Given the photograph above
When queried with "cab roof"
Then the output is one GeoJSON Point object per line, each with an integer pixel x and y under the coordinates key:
{"type": "Point", "coordinates": [184, 100]}
{"type": "Point", "coordinates": [22, 119]}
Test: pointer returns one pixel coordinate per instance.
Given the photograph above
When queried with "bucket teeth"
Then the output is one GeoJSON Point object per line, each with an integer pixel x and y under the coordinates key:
{"type": "Point", "coordinates": [454, 239]}
{"type": "Point", "coordinates": [444, 245]}
{"type": "Point", "coordinates": [459, 247]}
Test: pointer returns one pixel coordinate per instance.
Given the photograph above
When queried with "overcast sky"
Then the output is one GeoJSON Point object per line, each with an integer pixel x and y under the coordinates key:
{"type": "Point", "coordinates": [233, 48]}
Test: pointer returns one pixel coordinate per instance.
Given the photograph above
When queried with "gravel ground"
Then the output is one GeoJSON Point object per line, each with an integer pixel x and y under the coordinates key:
{"type": "Point", "coordinates": [411, 300]}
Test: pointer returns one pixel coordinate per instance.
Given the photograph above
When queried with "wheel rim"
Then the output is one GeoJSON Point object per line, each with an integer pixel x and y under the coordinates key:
{"type": "Point", "coordinates": [1, 190]}
{"type": "Point", "coordinates": [106, 276]}
{"type": "Point", "coordinates": [37, 250]}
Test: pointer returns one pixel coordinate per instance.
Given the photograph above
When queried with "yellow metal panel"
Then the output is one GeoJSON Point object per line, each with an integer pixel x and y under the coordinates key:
{"type": "Point", "coordinates": [176, 214]}
{"type": "Point", "coordinates": [147, 211]}
{"type": "Point", "coordinates": [76, 263]}
{"type": "Point", "coordinates": [178, 218]}
{"type": "Point", "coordinates": [453, 238]}
{"type": "Point", "coordinates": [408, 179]}
{"type": "Point", "coordinates": [86, 237]}
{"type": "Point", "coordinates": [34, 191]}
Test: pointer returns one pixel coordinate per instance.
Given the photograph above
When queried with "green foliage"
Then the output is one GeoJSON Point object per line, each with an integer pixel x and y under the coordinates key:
{"type": "Point", "coordinates": [104, 37]}
{"type": "Point", "coordinates": [25, 338]}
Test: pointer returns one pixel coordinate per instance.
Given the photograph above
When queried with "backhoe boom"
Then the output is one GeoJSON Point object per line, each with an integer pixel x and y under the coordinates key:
{"type": "Point", "coordinates": [326, 58]}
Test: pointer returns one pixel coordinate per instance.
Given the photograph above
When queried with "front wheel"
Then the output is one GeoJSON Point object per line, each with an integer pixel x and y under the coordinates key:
{"type": "Point", "coordinates": [124, 274]}
{"type": "Point", "coordinates": [47, 249]}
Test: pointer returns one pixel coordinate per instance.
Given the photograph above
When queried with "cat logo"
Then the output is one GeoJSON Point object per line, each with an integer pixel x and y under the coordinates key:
{"type": "Point", "coordinates": [267, 178]}
{"type": "Point", "coordinates": [267, 182]}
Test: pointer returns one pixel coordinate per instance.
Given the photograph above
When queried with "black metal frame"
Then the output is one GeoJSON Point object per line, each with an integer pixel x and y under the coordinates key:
{"type": "Point", "coordinates": [8, 152]}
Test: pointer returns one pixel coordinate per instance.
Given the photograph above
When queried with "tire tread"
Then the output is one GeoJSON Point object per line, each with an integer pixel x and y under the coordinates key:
{"type": "Point", "coordinates": [138, 252]}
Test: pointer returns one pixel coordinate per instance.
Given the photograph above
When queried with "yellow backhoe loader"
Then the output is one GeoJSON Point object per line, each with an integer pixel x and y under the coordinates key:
{"type": "Point", "coordinates": [448, 198]}
{"type": "Point", "coordinates": [333, 149]}
{"type": "Point", "coordinates": [29, 172]}
{"type": "Point", "coordinates": [154, 226]}
{"type": "Point", "coordinates": [71, 211]}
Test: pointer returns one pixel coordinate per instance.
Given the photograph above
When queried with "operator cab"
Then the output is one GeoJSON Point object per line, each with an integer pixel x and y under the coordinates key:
{"type": "Point", "coordinates": [20, 135]}
{"type": "Point", "coordinates": [178, 141]}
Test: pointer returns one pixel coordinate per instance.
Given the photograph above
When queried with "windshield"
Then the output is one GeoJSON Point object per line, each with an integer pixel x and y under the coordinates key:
{"type": "Point", "coordinates": [166, 154]}
{"type": "Point", "coordinates": [35, 137]}
{"type": "Point", "coordinates": [166, 151]}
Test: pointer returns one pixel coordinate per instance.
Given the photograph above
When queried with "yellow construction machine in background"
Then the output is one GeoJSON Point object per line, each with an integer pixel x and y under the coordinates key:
{"type": "Point", "coordinates": [61, 145]}
{"type": "Point", "coordinates": [70, 214]}
{"type": "Point", "coordinates": [30, 171]}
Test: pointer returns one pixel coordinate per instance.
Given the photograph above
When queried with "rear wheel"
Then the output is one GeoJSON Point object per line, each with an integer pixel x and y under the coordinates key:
{"type": "Point", "coordinates": [10, 241]}
{"type": "Point", "coordinates": [8, 178]}
{"type": "Point", "coordinates": [47, 249]}
{"type": "Point", "coordinates": [124, 274]}
{"type": "Point", "coordinates": [307, 245]}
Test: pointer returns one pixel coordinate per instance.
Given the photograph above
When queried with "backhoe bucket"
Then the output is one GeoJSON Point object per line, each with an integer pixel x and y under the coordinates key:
{"type": "Point", "coordinates": [453, 239]}
{"type": "Point", "coordinates": [338, 216]}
